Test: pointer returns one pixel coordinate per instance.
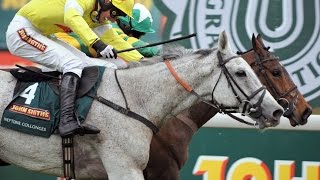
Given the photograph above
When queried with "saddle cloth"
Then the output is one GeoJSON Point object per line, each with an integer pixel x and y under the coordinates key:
{"type": "Point", "coordinates": [34, 108]}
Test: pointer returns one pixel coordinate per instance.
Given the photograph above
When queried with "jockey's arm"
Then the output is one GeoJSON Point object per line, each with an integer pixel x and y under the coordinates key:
{"type": "Point", "coordinates": [74, 40]}
{"type": "Point", "coordinates": [146, 51]}
{"type": "Point", "coordinates": [135, 42]}
{"type": "Point", "coordinates": [73, 19]}
{"type": "Point", "coordinates": [111, 37]}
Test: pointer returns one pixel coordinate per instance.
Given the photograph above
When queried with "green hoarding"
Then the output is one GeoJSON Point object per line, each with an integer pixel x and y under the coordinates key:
{"type": "Point", "coordinates": [225, 149]}
{"type": "Point", "coordinates": [16, 173]}
{"type": "Point", "coordinates": [241, 146]}
{"type": "Point", "coordinates": [8, 9]}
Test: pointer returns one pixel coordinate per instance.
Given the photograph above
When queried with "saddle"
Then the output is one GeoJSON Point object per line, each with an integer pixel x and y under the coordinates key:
{"type": "Point", "coordinates": [89, 77]}
{"type": "Point", "coordinates": [35, 109]}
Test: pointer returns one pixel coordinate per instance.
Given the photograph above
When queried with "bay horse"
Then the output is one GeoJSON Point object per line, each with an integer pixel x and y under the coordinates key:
{"type": "Point", "coordinates": [278, 81]}
{"type": "Point", "coordinates": [217, 76]}
{"type": "Point", "coordinates": [169, 147]}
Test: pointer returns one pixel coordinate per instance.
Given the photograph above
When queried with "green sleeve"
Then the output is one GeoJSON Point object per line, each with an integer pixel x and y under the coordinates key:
{"type": "Point", "coordinates": [147, 51]}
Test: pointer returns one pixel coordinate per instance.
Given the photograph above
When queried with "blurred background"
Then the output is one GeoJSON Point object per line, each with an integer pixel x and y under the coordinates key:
{"type": "Point", "coordinates": [290, 28]}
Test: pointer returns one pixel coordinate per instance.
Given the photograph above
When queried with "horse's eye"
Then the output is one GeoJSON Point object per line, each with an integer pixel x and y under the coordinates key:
{"type": "Point", "coordinates": [276, 72]}
{"type": "Point", "coordinates": [241, 73]}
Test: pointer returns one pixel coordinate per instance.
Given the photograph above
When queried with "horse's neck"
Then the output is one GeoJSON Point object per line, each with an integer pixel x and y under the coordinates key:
{"type": "Point", "coordinates": [201, 113]}
{"type": "Point", "coordinates": [154, 92]}
{"type": "Point", "coordinates": [198, 115]}
{"type": "Point", "coordinates": [176, 135]}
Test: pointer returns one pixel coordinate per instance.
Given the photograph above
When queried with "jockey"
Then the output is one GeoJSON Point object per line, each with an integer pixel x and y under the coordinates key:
{"type": "Point", "coordinates": [130, 30]}
{"type": "Point", "coordinates": [27, 37]}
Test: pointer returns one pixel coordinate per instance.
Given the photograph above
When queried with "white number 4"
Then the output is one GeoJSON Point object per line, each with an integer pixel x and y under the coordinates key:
{"type": "Point", "coordinates": [29, 93]}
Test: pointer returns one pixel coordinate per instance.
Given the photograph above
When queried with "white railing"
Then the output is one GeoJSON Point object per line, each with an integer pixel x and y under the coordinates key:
{"type": "Point", "coordinates": [222, 120]}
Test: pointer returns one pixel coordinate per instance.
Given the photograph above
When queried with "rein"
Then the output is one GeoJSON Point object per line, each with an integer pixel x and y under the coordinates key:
{"type": "Point", "coordinates": [186, 86]}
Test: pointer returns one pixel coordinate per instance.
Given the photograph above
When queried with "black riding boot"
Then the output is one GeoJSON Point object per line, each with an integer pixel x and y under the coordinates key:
{"type": "Point", "coordinates": [69, 126]}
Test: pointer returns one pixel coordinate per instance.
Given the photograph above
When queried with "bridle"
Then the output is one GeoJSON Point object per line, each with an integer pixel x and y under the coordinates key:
{"type": "Point", "coordinates": [253, 110]}
{"type": "Point", "coordinates": [281, 98]}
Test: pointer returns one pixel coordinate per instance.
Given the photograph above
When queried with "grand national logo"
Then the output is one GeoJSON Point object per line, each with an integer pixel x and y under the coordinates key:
{"type": "Point", "coordinates": [290, 28]}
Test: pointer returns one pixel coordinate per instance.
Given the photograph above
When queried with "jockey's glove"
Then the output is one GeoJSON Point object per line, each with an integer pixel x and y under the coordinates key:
{"type": "Point", "coordinates": [106, 51]}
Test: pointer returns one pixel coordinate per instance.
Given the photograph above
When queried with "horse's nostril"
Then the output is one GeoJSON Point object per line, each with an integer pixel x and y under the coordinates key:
{"type": "Point", "coordinates": [307, 112]}
{"type": "Point", "coordinates": [277, 113]}
{"type": "Point", "coordinates": [284, 103]}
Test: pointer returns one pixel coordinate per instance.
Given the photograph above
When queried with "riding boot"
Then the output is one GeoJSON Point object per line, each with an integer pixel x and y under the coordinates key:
{"type": "Point", "coordinates": [69, 124]}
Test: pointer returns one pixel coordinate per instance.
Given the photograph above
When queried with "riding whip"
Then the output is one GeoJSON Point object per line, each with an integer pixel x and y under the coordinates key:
{"type": "Point", "coordinates": [158, 43]}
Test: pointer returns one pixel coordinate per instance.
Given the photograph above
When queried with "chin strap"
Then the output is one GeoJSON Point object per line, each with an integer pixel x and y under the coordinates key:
{"type": "Point", "coordinates": [99, 6]}
{"type": "Point", "coordinates": [95, 14]}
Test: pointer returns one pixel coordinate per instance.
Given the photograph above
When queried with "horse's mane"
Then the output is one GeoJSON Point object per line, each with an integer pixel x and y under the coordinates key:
{"type": "Point", "coordinates": [172, 52]}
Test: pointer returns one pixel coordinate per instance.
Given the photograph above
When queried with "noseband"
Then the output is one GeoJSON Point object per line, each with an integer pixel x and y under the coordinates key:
{"type": "Point", "coordinates": [290, 105]}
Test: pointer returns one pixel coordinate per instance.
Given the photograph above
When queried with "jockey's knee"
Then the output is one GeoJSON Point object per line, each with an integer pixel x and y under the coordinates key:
{"type": "Point", "coordinates": [74, 65]}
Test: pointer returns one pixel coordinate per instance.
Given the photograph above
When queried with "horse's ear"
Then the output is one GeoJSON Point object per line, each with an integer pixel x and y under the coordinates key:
{"type": "Point", "coordinates": [259, 38]}
{"type": "Point", "coordinates": [256, 45]}
{"type": "Point", "coordinates": [223, 41]}
{"type": "Point", "coordinates": [253, 41]}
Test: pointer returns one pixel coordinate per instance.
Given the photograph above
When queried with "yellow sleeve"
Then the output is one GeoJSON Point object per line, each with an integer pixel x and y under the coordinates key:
{"type": "Point", "coordinates": [113, 38]}
{"type": "Point", "coordinates": [132, 40]}
{"type": "Point", "coordinates": [75, 21]}
{"type": "Point", "coordinates": [75, 41]}
{"type": "Point", "coordinates": [68, 39]}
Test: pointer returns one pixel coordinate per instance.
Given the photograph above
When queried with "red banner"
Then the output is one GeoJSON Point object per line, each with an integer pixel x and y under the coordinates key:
{"type": "Point", "coordinates": [7, 60]}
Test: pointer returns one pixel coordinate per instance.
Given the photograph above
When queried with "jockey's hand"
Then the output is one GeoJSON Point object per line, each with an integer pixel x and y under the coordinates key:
{"type": "Point", "coordinates": [106, 51]}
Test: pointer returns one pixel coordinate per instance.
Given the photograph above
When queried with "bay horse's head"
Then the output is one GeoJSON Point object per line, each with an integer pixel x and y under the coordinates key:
{"type": "Point", "coordinates": [278, 81]}
{"type": "Point", "coordinates": [250, 96]}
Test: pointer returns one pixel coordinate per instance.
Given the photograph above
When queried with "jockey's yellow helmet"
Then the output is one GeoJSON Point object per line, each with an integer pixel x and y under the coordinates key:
{"type": "Point", "coordinates": [125, 6]}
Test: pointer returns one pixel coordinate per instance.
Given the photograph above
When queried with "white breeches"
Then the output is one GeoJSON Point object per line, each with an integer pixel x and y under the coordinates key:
{"type": "Point", "coordinates": [24, 40]}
